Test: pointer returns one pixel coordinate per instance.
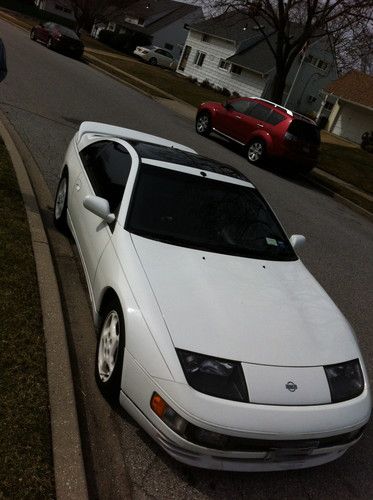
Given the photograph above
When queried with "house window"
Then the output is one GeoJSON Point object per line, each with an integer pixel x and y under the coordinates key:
{"type": "Point", "coordinates": [224, 65]}
{"type": "Point", "coordinates": [168, 46]}
{"type": "Point", "coordinates": [199, 58]}
{"type": "Point", "coordinates": [68, 11]}
{"type": "Point", "coordinates": [111, 26]}
{"type": "Point", "coordinates": [236, 69]}
{"type": "Point", "coordinates": [318, 63]}
{"type": "Point", "coordinates": [206, 38]}
{"type": "Point", "coordinates": [328, 105]}
{"type": "Point", "coordinates": [58, 7]}
{"type": "Point", "coordinates": [311, 99]}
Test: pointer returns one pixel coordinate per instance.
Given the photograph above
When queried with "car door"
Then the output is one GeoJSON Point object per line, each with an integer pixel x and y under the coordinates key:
{"type": "Point", "coordinates": [44, 31]}
{"type": "Point", "coordinates": [258, 118]}
{"type": "Point", "coordinates": [233, 121]}
{"type": "Point", "coordinates": [106, 166]}
{"type": "Point", "coordinates": [162, 60]}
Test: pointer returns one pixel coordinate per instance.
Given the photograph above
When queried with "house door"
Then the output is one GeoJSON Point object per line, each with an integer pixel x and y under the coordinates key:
{"type": "Point", "coordinates": [184, 57]}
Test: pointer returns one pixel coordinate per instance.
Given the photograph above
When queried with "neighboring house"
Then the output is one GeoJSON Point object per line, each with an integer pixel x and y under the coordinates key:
{"type": "Point", "coordinates": [230, 51]}
{"type": "Point", "coordinates": [163, 22]}
{"type": "Point", "coordinates": [347, 108]}
{"type": "Point", "coordinates": [59, 7]}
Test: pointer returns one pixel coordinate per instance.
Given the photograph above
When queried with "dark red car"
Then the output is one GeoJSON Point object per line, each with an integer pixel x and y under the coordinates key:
{"type": "Point", "coordinates": [263, 128]}
{"type": "Point", "coordinates": [58, 37]}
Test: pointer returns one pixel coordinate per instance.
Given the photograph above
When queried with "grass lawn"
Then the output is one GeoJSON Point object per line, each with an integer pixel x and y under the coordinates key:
{"type": "Point", "coordinates": [352, 165]}
{"type": "Point", "coordinates": [167, 80]}
{"type": "Point", "coordinates": [26, 469]}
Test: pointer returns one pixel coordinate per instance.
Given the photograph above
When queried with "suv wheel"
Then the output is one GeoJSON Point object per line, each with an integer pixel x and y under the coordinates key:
{"type": "Point", "coordinates": [33, 35]}
{"type": "Point", "coordinates": [203, 124]}
{"type": "Point", "coordinates": [60, 204]}
{"type": "Point", "coordinates": [256, 151]}
{"type": "Point", "coordinates": [153, 61]}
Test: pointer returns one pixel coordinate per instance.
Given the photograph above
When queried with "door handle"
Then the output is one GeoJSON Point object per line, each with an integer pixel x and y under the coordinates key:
{"type": "Point", "coordinates": [238, 117]}
{"type": "Point", "coordinates": [77, 186]}
{"type": "Point", "coordinates": [259, 125]}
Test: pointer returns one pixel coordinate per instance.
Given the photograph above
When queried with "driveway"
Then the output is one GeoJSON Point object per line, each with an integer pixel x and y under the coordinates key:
{"type": "Point", "coordinates": [46, 96]}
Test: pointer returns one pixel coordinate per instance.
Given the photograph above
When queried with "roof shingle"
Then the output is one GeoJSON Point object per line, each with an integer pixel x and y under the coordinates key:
{"type": "Point", "coordinates": [354, 86]}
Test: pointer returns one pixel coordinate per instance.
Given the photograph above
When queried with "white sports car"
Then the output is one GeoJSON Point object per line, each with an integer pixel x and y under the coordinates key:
{"type": "Point", "coordinates": [212, 333]}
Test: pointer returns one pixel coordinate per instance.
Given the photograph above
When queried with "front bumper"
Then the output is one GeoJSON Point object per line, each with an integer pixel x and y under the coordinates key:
{"type": "Point", "coordinates": [309, 436]}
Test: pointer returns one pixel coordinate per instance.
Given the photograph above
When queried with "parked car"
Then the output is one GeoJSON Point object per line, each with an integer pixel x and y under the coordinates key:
{"type": "Point", "coordinates": [211, 332]}
{"type": "Point", "coordinates": [156, 56]}
{"type": "Point", "coordinates": [58, 37]}
{"type": "Point", "coordinates": [263, 128]}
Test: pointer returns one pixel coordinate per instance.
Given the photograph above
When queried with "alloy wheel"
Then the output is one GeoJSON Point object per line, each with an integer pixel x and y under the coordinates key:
{"type": "Point", "coordinates": [255, 151]}
{"type": "Point", "coordinates": [108, 346]}
{"type": "Point", "coordinates": [60, 199]}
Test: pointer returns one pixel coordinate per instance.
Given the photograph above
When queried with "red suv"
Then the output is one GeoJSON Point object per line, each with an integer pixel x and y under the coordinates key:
{"type": "Point", "coordinates": [263, 128]}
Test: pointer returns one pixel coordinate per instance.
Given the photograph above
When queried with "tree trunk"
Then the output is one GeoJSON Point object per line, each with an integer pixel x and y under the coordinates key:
{"type": "Point", "coordinates": [278, 86]}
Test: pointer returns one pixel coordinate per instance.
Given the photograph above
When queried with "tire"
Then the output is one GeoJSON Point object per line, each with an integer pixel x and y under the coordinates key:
{"type": "Point", "coordinates": [60, 204]}
{"type": "Point", "coordinates": [203, 124]}
{"type": "Point", "coordinates": [256, 151]}
{"type": "Point", "coordinates": [33, 35]}
{"type": "Point", "coordinates": [50, 43]}
{"type": "Point", "coordinates": [110, 350]}
{"type": "Point", "coordinates": [153, 61]}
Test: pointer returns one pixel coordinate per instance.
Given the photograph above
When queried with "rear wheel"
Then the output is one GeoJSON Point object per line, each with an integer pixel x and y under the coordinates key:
{"type": "Point", "coordinates": [153, 61]}
{"type": "Point", "coordinates": [60, 204]}
{"type": "Point", "coordinates": [110, 350]}
{"type": "Point", "coordinates": [203, 124]}
{"type": "Point", "coordinates": [50, 43]}
{"type": "Point", "coordinates": [33, 35]}
{"type": "Point", "coordinates": [255, 151]}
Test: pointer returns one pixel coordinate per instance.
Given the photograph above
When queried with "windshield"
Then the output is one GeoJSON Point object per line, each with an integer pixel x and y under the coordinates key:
{"type": "Point", "coordinates": [197, 212]}
{"type": "Point", "coordinates": [67, 32]}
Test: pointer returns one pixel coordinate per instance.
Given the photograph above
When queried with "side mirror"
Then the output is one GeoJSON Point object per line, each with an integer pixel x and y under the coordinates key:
{"type": "Point", "coordinates": [297, 241]}
{"type": "Point", "coordinates": [100, 207]}
{"type": "Point", "coordinates": [228, 106]}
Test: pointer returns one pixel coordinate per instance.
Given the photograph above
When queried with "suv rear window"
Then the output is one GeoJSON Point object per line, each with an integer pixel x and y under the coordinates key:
{"type": "Point", "coordinates": [275, 118]}
{"type": "Point", "coordinates": [304, 131]}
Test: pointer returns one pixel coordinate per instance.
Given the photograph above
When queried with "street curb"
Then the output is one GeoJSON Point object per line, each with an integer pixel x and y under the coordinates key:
{"type": "Point", "coordinates": [69, 472]}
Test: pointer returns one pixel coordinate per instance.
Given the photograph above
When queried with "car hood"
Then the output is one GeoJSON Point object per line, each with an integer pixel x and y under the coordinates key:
{"type": "Point", "coordinates": [249, 310]}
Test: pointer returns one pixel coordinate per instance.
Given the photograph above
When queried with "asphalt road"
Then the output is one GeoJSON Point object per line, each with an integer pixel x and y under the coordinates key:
{"type": "Point", "coordinates": [45, 96]}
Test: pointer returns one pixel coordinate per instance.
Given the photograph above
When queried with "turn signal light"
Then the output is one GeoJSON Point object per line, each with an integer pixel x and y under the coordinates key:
{"type": "Point", "coordinates": [158, 405]}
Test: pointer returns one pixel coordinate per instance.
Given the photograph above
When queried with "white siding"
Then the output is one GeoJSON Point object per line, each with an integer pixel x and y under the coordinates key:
{"type": "Point", "coordinates": [246, 84]}
{"type": "Point", "coordinates": [352, 121]}
{"type": "Point", "coordinates": [175, 34]}
{"type": "Point", "coordinates": [57, 7]}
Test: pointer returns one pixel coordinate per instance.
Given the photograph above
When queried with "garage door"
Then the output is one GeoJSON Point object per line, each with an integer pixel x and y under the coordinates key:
{"type": "Point", "coordinates": [352, 121]}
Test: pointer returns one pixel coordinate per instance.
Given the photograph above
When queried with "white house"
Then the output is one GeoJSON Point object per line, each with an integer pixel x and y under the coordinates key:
{"type": "Point", "coordinates": [59, 7]}
{"type": "Point", "coordinates": [230, 51]}
{"type": "Point", "coordinates": [163, 22]}
{"type": "Point", "coordinates": [348, 106]}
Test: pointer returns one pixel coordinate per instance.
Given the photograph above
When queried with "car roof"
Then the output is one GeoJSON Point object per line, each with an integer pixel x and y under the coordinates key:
{"type": "Point", "coordinates": [151, 151]}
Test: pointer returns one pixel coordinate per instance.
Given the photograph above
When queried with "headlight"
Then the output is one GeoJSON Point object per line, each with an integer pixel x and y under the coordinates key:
{"type": "Point", "coordinates": [346, 380]}
{"type": "Point", "coordinates": [217, 377]}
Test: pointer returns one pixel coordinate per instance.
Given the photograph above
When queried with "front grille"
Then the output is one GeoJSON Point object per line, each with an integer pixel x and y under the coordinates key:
{"type": "Point", "coordinates": [230, 443]}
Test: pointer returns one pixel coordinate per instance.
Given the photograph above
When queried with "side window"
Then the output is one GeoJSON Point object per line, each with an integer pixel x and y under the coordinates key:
{"type": "Point", "coordinates": [239, 106]}
{"type": "Point", "coordinates": [260, 112]}
{"type": "Point", "coordinates": [108, 165]}
{"type": "Point", "coordinates": [275, 118]}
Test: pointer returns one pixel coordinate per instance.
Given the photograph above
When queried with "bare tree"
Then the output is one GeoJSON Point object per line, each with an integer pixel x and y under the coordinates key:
{"type": "Point", "coordinates": [87, 12]}
{"type": "Point", "coordinates": [297, 23]}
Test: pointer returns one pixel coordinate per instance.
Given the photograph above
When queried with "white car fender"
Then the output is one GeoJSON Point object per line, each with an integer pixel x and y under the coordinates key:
{"type": "Point", "coordinates": [140, 341]}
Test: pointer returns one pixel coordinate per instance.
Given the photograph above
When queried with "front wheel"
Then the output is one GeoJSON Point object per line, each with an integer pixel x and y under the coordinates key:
{"type": "Point", "coordinates": [60, 204]}
{"type": "Point", "coordinates": [256, 151]}
{"type": "Point", "coordinates": [50, 43]}
{"type": "Point", "coordinates": [203, 124]}
{"type": "Point", "coordinates": [110, 351]}
{"type": "Point", "coordinates": [153, 61]}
